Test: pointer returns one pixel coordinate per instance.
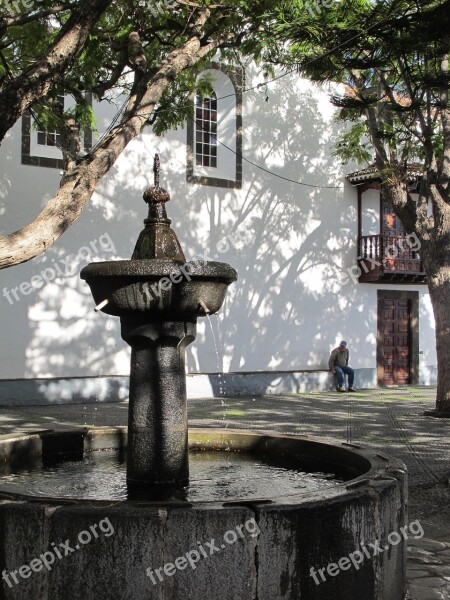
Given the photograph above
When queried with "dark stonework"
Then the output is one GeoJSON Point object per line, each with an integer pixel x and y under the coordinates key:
{"type": "Point", "coordinates": [236, 76]}
{"type": "Point", "coordinates": [297, 532]}
{"type": "Point", "coordinates": [161, 289]}
{"type": "Point", "coordinates": [157, 240]}
{"type": "Point", "coordinates": [157, 417]}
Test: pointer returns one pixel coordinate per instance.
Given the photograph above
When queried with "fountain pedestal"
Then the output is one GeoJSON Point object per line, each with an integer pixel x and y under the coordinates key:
{"type": "Point", "coordinates": [157, 417]}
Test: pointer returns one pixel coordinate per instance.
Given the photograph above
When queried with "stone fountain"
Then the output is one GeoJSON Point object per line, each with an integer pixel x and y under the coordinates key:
{"type": "Point", "coordinates": [169, 543]}
{"type": "Point", "coordinates": [158, 297]}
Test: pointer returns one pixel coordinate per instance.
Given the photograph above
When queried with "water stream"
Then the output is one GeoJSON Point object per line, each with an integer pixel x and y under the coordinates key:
{"type": "Point", "coordinates": [219, 363]}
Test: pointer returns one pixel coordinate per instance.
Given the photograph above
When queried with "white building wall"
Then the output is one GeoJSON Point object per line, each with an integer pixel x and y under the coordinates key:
{"type": "Point", "coordinates": [370, 213]}
{"type": "Point", "coordinates": [295, 297]}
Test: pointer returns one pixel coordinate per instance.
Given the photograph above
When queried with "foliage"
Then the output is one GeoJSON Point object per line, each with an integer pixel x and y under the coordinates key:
{"type": "Point", "coordinates": [107, 65]}
{"type": "Point", "coordinates": [387, 56]}
{"type": "Point", "coordinates": [389, 61]}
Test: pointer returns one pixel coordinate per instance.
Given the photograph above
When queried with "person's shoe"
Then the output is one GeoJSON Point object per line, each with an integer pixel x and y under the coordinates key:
{"type": "Point", "coordinates": [351, 389]}
{"type": "Point", "coordinates": [341, 388]}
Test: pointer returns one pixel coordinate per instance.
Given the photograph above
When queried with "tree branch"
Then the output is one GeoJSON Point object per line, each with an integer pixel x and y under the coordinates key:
{"type": "Point", "coordinates": [116, 74]}
{"type": "Point", "coordinates": [35, 82]}
{"type": "Point", "coordinates": [78, 186]}
{"type": "Point", "coordinates": [33, 16]}
{"type": "Point", "coordinates": [445, 119]}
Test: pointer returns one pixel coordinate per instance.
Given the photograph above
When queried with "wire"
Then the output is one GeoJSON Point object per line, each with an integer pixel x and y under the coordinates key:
{"type": "Point", "coordinates": [266, 83]}
{"type": "Point", "coordinates": [259, 85]}
{"type": "Point", "coordinates": [311, 185]}
{"type": "Point", "coordinates": [293, 70]}
{"type": "Point", "coordinates": [111, 125]}
{"type": "Point", "coordinates": [239, 155]}
{"type": "Point", "coordinates": [256, 86]}
{"type": "Point", "coordinates": [308, 62]}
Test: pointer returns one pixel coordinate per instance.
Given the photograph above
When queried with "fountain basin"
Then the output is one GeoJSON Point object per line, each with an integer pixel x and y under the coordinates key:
{"type": "Point", "coordinates": [159, 288]}
{"type": "Point", "coordinates": [297, 532]}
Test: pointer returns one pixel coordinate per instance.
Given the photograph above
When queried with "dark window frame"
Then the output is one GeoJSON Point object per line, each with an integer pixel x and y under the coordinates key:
{"type": "Point", "coordinates": [34, 160]}
{"type": "Point", "coordinates": [236, 76]}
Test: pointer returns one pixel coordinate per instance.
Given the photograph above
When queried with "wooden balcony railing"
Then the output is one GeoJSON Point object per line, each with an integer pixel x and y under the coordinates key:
{"type": "Point", "coordinates": [389, 258]}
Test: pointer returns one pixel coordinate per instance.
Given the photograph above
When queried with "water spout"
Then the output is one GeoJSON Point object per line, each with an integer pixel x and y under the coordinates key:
{"type": "Point", "coordinates": [202, 306]}
{"type": "Point", "coordinates": [101, 305]}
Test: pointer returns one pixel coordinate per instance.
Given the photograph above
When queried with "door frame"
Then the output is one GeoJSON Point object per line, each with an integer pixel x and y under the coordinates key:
{"type": "Point", "coordinates": [413, 297]}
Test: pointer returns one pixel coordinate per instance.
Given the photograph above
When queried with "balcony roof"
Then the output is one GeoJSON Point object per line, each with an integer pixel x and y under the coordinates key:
{"type": "Point", "coordinates": [371, 173]}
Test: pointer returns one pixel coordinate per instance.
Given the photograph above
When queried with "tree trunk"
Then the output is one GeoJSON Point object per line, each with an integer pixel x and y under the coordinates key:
{"type": "Point", "coordinates": [439, 287]}
{"type": "Point", "coordinates": [436, 259]}
{"type": "Point", "coordinates": [434, 236]}
{"type": "Point", "coordinates": [34, 83]}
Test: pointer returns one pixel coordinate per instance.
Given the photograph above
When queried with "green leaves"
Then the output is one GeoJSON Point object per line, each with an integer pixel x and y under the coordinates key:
{"type": "Point", "coordinates": [388, 57]}
{"type": "Point", "coordinates": [386, 54]}
{"type": "Point", "coordinates": [84, 116]}
{"type": "Point", "coordinates": [354, 145]}
{"type": "Point", "coordinates": [105, 66]}
{"type": "Point", "coordinates": [177, 102]}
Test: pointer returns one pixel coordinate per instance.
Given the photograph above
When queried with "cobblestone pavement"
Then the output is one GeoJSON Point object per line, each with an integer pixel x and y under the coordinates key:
{"type": "Point", "coordinates": [389, 419]}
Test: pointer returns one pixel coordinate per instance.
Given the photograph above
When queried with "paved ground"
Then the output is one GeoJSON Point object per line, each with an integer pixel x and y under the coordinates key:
{"type": "Point", "coordinates": [390, 420]}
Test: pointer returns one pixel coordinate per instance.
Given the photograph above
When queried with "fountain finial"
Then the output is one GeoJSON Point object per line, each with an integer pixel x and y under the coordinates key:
{"type": "Point", "coordinates": [157, 240]}
{"type": "Point", "coordinates": [156, 169]}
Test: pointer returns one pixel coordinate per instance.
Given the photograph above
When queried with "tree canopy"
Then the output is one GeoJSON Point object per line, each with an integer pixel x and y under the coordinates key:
{"type": "Point", "coordinates": [390, 59]}
{"type": "Point", "coordinates": [148, 51]}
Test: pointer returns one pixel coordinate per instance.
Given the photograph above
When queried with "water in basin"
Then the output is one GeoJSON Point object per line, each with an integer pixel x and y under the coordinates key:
{"type": "Point", "coordinates": [214, 476]}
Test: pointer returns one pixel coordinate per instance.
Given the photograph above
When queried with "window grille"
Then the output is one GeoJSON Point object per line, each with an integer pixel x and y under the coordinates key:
{"type": "Point", "coordinates": [50, 137]}
{"type": "Point", "coordinates": [206, 131]}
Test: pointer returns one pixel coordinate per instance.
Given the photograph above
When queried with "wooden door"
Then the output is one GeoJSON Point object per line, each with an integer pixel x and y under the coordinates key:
{"type": "Point", "coordinates": [396, 341]}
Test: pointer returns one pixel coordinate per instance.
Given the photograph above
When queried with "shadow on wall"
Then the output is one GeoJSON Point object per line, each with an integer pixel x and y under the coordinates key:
{"type": "Point", "coordinates": [289, 305]}
{"type": "Point", "coordinates": [285, 311]}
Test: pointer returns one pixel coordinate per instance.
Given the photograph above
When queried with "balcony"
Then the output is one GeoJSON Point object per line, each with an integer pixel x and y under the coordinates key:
{"type": "Point", "coordinates": [389, 259]}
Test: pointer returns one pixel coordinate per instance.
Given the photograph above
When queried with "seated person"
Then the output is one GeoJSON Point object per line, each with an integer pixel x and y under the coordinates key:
{"type": "Point", "coordinates": [338, 365]}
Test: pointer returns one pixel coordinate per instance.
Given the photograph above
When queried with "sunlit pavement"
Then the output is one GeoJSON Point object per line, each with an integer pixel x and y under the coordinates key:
{"type": "Point", "coordinates": [389, 419]}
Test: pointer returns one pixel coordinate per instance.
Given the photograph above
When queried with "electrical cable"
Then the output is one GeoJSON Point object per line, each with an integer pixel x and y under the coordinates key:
{"type": "Point", "coordinates": [239, 155]}
{"type": "Point", "coordinates": [257, 86]}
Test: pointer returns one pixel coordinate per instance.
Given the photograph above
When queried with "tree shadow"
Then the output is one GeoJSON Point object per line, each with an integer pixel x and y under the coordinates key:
{"type": "Point", "coordinates": [291, 303]}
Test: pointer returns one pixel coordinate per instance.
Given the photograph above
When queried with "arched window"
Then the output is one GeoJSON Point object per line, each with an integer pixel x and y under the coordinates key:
{"type": "Point", "coordinates": [206, 131]}
{"type": "Point", "coordinates": [214, 136]}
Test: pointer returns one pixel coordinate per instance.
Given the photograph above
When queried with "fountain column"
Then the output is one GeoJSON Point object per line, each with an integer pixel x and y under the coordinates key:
{"type": "Point", "coordinates": [157, 420]}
